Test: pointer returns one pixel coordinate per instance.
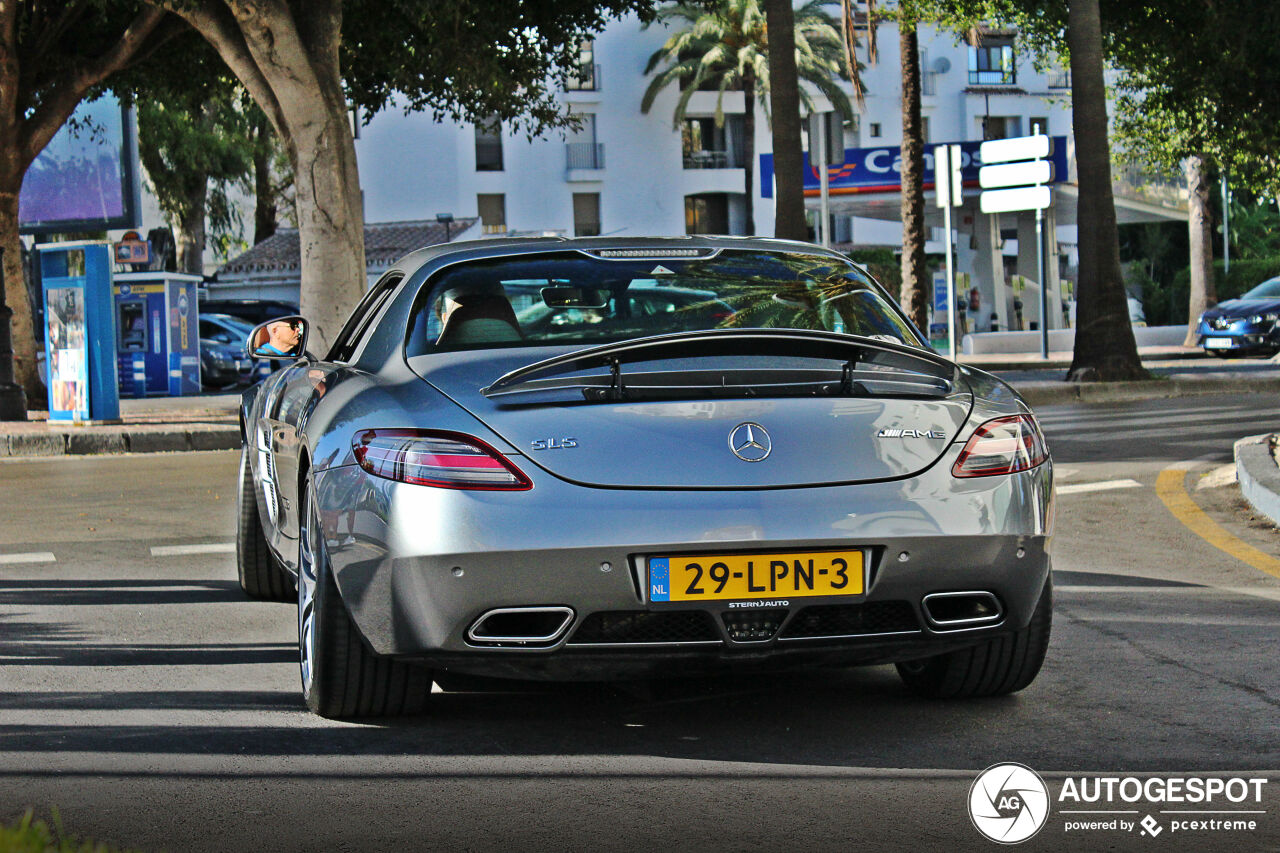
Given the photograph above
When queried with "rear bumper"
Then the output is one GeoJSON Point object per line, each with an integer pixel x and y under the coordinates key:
{"type": "Point", "coordinates": [417, 567]}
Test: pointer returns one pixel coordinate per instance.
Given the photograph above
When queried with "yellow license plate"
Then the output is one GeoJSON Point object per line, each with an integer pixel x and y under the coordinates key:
{"type": "Point", "coordinates": [726, 577]}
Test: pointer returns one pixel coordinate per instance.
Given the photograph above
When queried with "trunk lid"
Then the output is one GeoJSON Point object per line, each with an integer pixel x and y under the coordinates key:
{"type": "Point", "coordinates": [645, 419]}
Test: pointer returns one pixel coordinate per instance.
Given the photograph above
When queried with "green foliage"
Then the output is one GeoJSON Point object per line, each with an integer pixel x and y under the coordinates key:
{"type": "Point", "coordinates": [468, 60]}
{"type": "Point", "coordinates": [1255, 230]}
{"type": "Point", "coordinates": [883, 264]}
{"type": "Point", "coordinates": [1244, 275]}
{"type": "Point", "coordinates": [1151, 255]}
{"type": "Point", "coordinates": [29, 835]}
{"type": "Point", "coordinates": [725, 43]}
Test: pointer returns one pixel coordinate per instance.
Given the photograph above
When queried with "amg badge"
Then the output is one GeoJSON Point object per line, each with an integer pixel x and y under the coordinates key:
{"type": "Point", "coordinates": [910, 433]}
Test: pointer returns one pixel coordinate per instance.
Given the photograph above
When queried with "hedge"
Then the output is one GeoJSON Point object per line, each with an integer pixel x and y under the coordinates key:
{"type": "Point", "coordinates": [1244, 276]}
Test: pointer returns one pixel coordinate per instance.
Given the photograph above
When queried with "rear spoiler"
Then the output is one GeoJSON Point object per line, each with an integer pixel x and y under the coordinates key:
{"type": "Point", "coordinates": [920, 370]}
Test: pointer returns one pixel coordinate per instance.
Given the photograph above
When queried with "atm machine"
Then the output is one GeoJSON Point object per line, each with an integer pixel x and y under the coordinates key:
{"type": "Point", "coordinates": [157, 321]}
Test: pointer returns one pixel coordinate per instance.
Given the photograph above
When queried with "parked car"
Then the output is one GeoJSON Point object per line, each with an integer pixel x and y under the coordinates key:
{"type": "Point", "coordinates": [1247, 325]}
{"type": "Point", "coordinates": [252, 311]}
{"type": "Point", "coordinates": [736, 487]}
{"type": "Point", "coordinates": [224, 361]}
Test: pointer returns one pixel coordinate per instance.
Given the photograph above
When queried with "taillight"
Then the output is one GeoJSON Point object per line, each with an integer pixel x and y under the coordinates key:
{"type": "Point", "coordinates": [447, 460]}
{"type": "Point", "coordinates": [1002, 446]}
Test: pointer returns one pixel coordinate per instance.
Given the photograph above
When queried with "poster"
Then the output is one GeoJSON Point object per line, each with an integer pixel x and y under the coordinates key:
{"type": "Point", "coordinates": [69, 369]}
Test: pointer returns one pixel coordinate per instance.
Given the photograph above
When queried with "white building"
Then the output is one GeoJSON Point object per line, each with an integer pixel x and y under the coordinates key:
{"type": "Point", "coordinates": [629, 173]}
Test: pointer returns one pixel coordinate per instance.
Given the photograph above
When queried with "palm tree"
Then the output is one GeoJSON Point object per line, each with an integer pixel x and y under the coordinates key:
{"type": "Point", "coordinates": [726, 46]}
{"type": "Point", "coordinates": [1105, 349]}
{"type": "Point", "coordinates": [914, 298]}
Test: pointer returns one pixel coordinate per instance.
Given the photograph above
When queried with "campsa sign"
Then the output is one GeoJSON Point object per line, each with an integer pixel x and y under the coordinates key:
{"type": "Point", "coordinates": [879, 170]}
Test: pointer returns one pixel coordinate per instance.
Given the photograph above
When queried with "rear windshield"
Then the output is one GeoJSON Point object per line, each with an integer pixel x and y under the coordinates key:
{"type": "Point", "coordinates": [572, 298]}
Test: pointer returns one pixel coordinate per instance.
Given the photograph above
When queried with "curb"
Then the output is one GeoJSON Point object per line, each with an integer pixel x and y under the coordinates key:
{"type": "Point", "coordinates": [1258, 475]}
{"type": "Point", "coordinates": [119, 441]}
{"type": "Point", "coordinates": [1055, 393]}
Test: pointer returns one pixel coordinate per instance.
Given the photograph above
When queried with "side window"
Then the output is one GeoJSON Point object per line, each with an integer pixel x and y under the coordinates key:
{"type": "Point", "coordinates": [358, 323]}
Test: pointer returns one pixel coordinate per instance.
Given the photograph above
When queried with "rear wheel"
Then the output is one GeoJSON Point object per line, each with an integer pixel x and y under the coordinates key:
{"type": "Point", "coordinates": [994, 668]}
{"type": "Point", "coordinates": [341, 677]}
{"type": "Point", "coordinates": [261, 575]}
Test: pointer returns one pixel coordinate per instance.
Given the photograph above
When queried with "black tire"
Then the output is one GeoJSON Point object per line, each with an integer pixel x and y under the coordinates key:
{"type": "Point", "coordinates": [996, 667]}
{"type": "Point", "coordinates": [346, 678]}
{"type": "Point", "coordinates": [261, 575]}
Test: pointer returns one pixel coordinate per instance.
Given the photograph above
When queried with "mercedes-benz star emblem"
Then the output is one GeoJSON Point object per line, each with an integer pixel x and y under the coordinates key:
{"type": "Point", "coordinates": [750, 442]}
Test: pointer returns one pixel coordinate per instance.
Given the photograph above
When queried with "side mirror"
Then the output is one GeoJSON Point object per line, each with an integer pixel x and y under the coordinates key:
{"type": "Point", "coordinates": [283, 338]}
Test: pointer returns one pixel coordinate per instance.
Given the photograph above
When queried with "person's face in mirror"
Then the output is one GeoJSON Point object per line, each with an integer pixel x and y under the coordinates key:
{"type": "Point", "coordinates": [284, 337]}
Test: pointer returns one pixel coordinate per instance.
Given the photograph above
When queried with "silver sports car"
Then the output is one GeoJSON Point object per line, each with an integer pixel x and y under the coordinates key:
{"type": "Point", "coordinates": [639, 458]}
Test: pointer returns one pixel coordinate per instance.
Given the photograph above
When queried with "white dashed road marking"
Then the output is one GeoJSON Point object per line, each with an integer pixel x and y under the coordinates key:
{"type": "Point", "coordinates": [36, 557]}
{"type": "Point", "coordinates": [1105, 485]}
{"type": "Point", "coordinates": [182, 550]}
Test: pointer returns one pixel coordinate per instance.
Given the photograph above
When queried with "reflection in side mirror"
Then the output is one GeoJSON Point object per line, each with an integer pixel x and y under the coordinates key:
{"type": "Point", "coordinates": [279, 339]}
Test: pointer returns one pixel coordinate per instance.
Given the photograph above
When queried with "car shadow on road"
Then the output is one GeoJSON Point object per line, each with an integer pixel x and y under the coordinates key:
{"type": "Point", "coordinates": [52, 592]}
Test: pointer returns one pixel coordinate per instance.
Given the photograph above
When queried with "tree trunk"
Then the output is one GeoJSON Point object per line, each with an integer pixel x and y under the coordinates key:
{"type": "Point", "coordinates": [1105, 349]}
{"type": "Point", "coordinates": [331, 223]}
{"type": "Point", "coordinates": [289, 64]}
{"type": "Point", "coordinates": [26, 370]}
{"type": "Point", "coordinates": [784, 100]}
{"type": "Point", "coordinates": [914, 298]}
{"type": "Point", "coordinates": [1204, 292]}
{"type": "Point", "coordinates": [190, 229]}
{"type": "Point", "coordinates": [265, 213]}
{"type": "Point", "coordinates": [749, 149]}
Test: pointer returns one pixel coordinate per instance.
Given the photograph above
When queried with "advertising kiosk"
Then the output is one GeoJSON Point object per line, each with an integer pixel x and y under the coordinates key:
{"type": "Point", "coordinates": [79, 331]}
{"type": "Point", "coordinates": [157, 340]}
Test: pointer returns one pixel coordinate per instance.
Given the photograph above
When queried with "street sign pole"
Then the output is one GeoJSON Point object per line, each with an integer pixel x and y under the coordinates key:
{"type": "Point", "coordinates": [948, 189]}
{"type": "Point", "coordinates": [951, 285]}
{"type": "Point", "coordinates": [1044, 284]}
{"type": "Point", "coordinates": [1014, 176]}
{"type": "Point", "coordinates": [824, 181]}
{"type": "Point", "coordinates": [1043, 272]}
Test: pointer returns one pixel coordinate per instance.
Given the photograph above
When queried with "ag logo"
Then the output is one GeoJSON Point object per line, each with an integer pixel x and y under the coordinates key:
{"type": "Point", "coordinates": [1008, 803]}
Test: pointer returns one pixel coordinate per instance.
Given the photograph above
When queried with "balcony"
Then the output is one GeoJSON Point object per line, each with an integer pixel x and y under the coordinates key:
{"type": "Point", "coordinates": [583, 157]}
{"type": "Point", "coordinates": [711, 160]}
{"type": "Point", "coordinates": [1059, 78]}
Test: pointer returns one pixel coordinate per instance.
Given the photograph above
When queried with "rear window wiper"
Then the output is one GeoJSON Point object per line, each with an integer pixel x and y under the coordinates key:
{"type": "Point", "coordinates": [868, 367]}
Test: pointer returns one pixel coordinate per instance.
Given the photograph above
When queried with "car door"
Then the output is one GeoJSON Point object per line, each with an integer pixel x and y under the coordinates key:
{"type": "Point", "coordinates": [293, 395]}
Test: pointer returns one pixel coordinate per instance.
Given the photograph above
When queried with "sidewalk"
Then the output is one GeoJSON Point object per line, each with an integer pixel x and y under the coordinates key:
{"type": "Point", "coordinates": [211, 422]}
{"type": "Point", "coordinates": [147, 425]}
{"type": "Point", "coordinates": [1033, 361]}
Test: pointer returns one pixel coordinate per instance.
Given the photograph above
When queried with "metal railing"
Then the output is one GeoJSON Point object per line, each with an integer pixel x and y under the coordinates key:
{"type": "Point", "coordinates": [584, 155]}
{"type": "Point", "coordinates": [711, 160]}
{"type": "Point", "coordinates": [994, 77]}
{"type": "Point", "coordinates": [1059, 78]}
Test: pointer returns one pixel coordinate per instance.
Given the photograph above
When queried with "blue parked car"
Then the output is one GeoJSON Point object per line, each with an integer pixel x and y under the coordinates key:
{"type": "Point", "coordinates": [1248, 325]}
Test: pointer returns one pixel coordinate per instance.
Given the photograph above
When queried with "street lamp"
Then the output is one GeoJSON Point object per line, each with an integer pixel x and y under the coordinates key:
{"type": "Point", "coordinates": [445, 219]}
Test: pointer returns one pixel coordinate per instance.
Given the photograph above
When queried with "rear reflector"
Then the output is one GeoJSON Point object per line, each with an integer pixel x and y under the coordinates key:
{"type": "Point", "coordinates": [1002, 446]}
{"type": "Point", "coordinates": [446, 460]}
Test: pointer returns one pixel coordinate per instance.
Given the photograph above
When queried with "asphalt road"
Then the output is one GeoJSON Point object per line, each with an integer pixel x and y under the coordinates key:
{"type": "Point", "coordinates": [156, 708]}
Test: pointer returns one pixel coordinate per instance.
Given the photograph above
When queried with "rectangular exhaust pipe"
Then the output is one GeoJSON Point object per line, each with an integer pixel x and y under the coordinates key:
{"type": "Point", "coordinates": [971, 609]}
{"type": "Point", "coordinates": [523, 625]}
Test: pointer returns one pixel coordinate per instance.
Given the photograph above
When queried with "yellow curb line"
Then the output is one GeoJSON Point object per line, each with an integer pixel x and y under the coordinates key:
{"type": "Point", "coordinates": [1170, 489]}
